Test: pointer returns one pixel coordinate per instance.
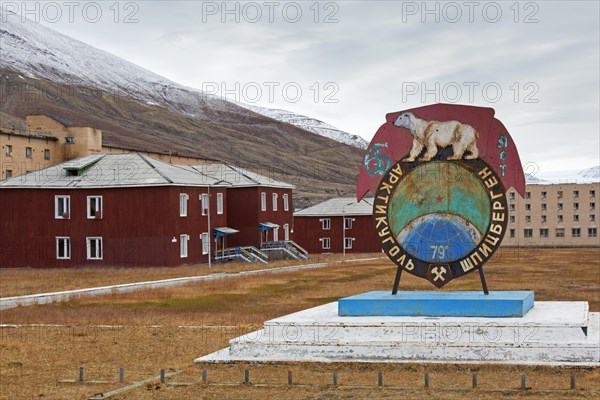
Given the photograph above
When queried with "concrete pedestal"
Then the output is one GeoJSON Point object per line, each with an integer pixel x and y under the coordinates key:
{"type": "Point", "coordinates": [552, 333]}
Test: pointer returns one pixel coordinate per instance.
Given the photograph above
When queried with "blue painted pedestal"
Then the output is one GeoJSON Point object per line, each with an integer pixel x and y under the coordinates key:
{"type": "Point", "coordinates": [437, 304]}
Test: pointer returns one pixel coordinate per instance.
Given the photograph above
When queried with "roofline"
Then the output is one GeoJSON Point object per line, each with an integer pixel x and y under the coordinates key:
{"type": "Point", "coordinates": [114, 187]}
{"type": "Point", "coordinates": [333, 215]}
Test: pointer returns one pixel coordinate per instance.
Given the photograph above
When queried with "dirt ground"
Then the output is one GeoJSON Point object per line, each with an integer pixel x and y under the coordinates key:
{"type": "Point", "coordinates": [150, 330]}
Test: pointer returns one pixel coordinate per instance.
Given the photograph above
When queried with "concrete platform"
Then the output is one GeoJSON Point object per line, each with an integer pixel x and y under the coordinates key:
{"type": "Point", "coordinates": [501, 304]}
{"type": "Point", "coordinates": [552, 333]}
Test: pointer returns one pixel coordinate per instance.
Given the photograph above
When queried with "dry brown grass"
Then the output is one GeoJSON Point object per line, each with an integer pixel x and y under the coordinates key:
{"type": "Point", "coordinates": [34, 359]}
{"type": "Point", "coordinates": [22, 281]}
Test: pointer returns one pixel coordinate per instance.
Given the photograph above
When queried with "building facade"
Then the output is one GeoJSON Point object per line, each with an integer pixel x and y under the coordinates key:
{"type": "Point", "coordinates": [555, 215]}
{"type": "Point", "coordinates": [339, 225]}
{"type": "Point", "coordinates": [123, 210]}
{"type": "Point", "coordinates": [42, 141]}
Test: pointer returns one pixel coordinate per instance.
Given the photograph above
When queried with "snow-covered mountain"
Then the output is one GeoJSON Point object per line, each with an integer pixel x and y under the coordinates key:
{"type": "Point", "coordinates": [40, 52]}
{"type": "Point", "coordinates": [310, 124]}
{"type": "Point", "coordinates": [588, 175]}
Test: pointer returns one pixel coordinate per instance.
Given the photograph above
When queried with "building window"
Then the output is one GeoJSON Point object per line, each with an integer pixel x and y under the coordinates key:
{"type": "Point", "coordinates": [575, 218]}
{"type": "Point", "coordinates": [94, 248]}
{"type": "Point", "coordinates": [219, 203]}
{"type": "Point", "coordinates": [8, 150]}
{"type": "Point", "coordinates": [286, 202]}
{"type": "Point", "coordinates": [46, 154]}
{"type": "Point", "coordinates": [70, 140]}
{"type": "Point", "coordinates": [325, 243]}
{"type": "Point", "coordinates": [512, 207]}
{"type": "Point", "coordinates": [348, 223]}
{"type": "Point", "coordinates": [544, 207]}
{"type": "Point", "coordinates": [8, 173]}
{"type": "Point", "coordinates": [62, 207]}
{"type": "Point", "coordinates": [528, 233]}
{"type": "Point", "coordinates": [544, 194]}
{"type": "Point", "coordinates": [575, 206]}
{"type": "Point", "coordinates": [527, 195]}
{"type": "Point", "coordinates": [592, 194]}
{"type": "Point", "coordinates": [275, 201]}
{"type": "Point", "coordinates": [560, 194]}
{"type": "Point", "coordinates": [576, 232]}
{"type": "Point", "coordinates": [511, 195]}
{"type": "Point", "coordinates": [575, 194]}
{"type": "Point", "coordinates": [512, 233]}
{"type": "Point", "coordinates": [560, 232]}
{"type": "Point", "coordinates": [544, 219]}
{"type": "Point", "coordinates": [528, 218]}
{"type": "Point", "coordinates": [205, 243]}
{"type": "Point", "coordinates": [183, 202]}
{"type": "Point", "coordinates": [263, 201]}
{"type": "Point", "coordinates": [560, 206]}
{"type": "Point", "coordinates": [348, 242]}
{"type": "Point", "coordinates": [592, 232]}
{"type": "Point", "coordinates": [28, 152]}
{"type": "Point", "coordinates": [592, 218]}
{"type": "Point", "coordinates": [326, 224]}
{"type": "Point", "coordinates": [204, 203]}
{"type": "Point", "coordinates": [63, 248]}
{"type": "Point", "coordinates": [94, 207]}
{"type": "Point", "coordinates": [560, 218]}
{"type": "Point", "coordinates": [543, 233]}
{"type": "Point", "coordinates": [527, 207]}
{"type": "Point", "coordinates": [512, 218]}
{"type": "Point", "coordinates": [592, 206]}
{"type": "Point", "coordinates": [183, 246]}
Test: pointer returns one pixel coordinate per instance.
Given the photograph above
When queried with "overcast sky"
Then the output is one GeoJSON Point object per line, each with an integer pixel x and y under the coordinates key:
{"type": "Point", "coordinates": [536, 63]}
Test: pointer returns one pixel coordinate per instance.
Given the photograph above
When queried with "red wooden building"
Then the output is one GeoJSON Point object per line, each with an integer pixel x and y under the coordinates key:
{"type": "Point", "coordinates": [339, 225]}
{"type": "Point", "coordinates": [129, 209]}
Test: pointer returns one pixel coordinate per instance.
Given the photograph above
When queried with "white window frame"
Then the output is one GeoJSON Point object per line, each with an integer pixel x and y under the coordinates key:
{"type": "Point", "coordinates": [99, 209]}
{"type": "Point", "coordinates": [204, 203]}
{"type": "Point", "coordinates": [62, 198]}
{"type": "Point", "coordinates": [325, 224]}
{"type": "Point", "coordinates": [183, 204]}
{"type": "Point", "coordinates": [205, 240]}
{"type": "Point", "coordinates": [183, 245]}
{"type": "Point", "coordinates": [592, 232]}
{"type": "Point", "coordinates": [286, 232]}
{"type": "Point", "coordinates": [275, 197]}
{"type": "Point", "coordinates": [325, 243]}
{"type": "Point", "coordinates": [348, 240]}
{"type": "Point", "coordinates": [263, 201]}
{"type": "Point", "coordinates": [348, 223]}
{"type": "Point", "coordinates": [8, 150]}
{"type": "Point", "coordinates": [66, 247]}
{"type": "Point", "coordinates": [46, 154]}
{"type": "Point", "coordinates": [573, 232]}
{"type": "Point", "coordinates": [28, 152]}
{"type": "Point", "coordinates": [88, 248]}
{"type": "Point", "coordinates": [219, 203]}
{"type": "Point", "coordinates": [286, 202]}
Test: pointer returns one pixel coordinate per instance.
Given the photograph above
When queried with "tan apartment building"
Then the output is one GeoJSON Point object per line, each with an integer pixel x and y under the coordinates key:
{"type": "Point", "coordinates": [42, 141]}
{"type": "Point", "coordinates": [556, 214]}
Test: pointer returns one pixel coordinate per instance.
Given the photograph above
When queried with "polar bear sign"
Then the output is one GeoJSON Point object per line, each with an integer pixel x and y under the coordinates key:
{"type": "Point", "coordinates": [439, 174]}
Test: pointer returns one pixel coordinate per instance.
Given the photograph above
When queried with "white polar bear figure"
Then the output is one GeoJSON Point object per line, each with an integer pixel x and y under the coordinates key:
{"type": "Point", "coordinates": [434, 134]}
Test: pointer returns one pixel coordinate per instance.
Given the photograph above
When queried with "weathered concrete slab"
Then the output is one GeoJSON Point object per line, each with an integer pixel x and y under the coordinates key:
{"type": "Point", "coordinates": [550, 334]}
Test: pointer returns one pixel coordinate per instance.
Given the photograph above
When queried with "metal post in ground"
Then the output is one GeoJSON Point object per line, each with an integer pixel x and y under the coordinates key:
{"type": "Point", "coordinates": [573, 386]}
{"type": "Point", "coordinates": [474, 380]}
{"type": "Point", "coordinates": [335, 378]}
{"type": "Point", "coordinates": [162, 376]}
{"type": "Point", "coordinates": [290, 381]}
{"type": "Point", "coordinates": [380, 378]}
{"type": "Point", "coordinates": [426, 379]}
{"type": "Point", "coordinates": [80, 374]}
{"type": "Point", "coordinates": [523, 382]}
{"type": "Point", "coordinates": [121, 375]}
{"type": "Point", "coordinates": [204, 376]}
{"type": "Point", "coordinates": [247, 376]}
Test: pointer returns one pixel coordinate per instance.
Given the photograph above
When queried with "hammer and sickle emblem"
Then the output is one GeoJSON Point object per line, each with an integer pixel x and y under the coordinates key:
{"type": "Point", "coordinates": [439, 273]}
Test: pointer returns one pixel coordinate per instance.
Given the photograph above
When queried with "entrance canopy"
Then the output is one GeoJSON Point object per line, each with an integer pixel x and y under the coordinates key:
{"type": "Point", "coordinates": [265, 226]}
{"type": "Point", "coordinates": [224, 231]}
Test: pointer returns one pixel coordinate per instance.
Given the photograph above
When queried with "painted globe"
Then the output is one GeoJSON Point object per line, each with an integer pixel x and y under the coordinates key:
{"type": "Point", "coordinates": [439, 237]}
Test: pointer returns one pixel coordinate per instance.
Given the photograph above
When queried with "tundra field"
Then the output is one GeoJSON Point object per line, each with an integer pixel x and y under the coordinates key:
{"type": "Point", "coordinates": [150, 330]}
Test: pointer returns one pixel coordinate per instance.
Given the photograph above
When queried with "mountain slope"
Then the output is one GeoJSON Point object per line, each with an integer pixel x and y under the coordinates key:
{"type": "Point", "coordinates": [44, 72]}
{"type": "Point", "coordinates": [38, 51]}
